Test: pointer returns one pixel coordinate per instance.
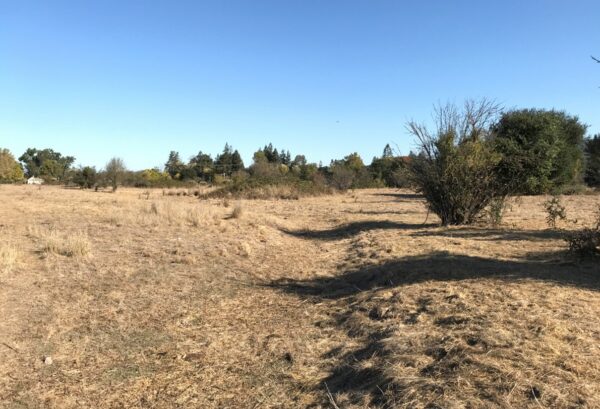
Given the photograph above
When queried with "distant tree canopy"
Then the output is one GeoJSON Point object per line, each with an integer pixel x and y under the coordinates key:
{"type": "Point", "coordinates": [46, 163]}
{"type": "Point", "coordinates": [541, 149]}
{"type": "Point", "coordinates": [229, 161]}
{"type": "Point", "coordinates": [390, 170]}
{"type": "Point", "coordinates": [114, 172]}
{"type": "Point", "coordinates": [592, 159]}
{"type": "Point", "coordinates": [10, 170]}
{"type": "Point", "coordinates": [202, 166]}
{"type": "Point", "coordinates": [174, 166]}
{"type": "Point", "coordinates": [85, 177]}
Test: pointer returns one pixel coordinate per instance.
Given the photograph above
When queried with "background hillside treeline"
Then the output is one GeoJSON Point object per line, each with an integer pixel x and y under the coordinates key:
{"type": "Point", "coordinates": [542, 151]}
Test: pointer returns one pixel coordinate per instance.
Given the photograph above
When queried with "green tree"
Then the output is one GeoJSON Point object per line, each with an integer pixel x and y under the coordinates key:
{"type": "Point", "coordinates": [174, 166]}
{"type": "Point", "coordinates": [114, 172]}
{"type": "Point", "coordinates": [354, 162]}
{"type": "Point", "coordinates": [592, 160]}
{"type": "Point", "coordinates": [388, 169]}
{"type": "Point", "coordinates": [85, 177]}
{"type": "Point", "coordinates": [46, 163]}
{"type": "Point", "coordinates": [387, 152]}
{"type": "Point", "coordinates": [541, 149]}
{"type": "Point", "coordinates": [10, 170]}
{"type": "Point", "coordinates": [203, 166]}
{"type": "Point", "coordinates": [228, 161]}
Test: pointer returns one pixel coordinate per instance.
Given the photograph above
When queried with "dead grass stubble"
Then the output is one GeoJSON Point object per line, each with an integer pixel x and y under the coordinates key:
{"type": "Point", "coordinates": [345, 300]}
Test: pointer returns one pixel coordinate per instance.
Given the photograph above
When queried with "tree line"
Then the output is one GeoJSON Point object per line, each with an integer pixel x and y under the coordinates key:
{"type": "Point", "coordinates": [525, 151]}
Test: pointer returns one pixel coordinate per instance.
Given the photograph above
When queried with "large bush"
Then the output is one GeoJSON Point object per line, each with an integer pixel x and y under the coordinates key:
{"type": "Point", "coordinates": [592, 156]}
{"type": "Point", "coordinates": [455, 168]}
{"type": "Point", "coordinates": [542, 150]}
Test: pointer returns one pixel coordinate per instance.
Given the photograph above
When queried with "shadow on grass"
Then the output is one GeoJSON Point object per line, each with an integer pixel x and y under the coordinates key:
{"type": "Point", "coordinates": [402, 196]}
{"type": "Point", "coordinates": [442, 266]}
{"type": "Point", "coordinates": [493, 234]}
{"type": "Point", "coordinates": [351, 229]}
{"type": "Point", "coordinates": [359, 376]}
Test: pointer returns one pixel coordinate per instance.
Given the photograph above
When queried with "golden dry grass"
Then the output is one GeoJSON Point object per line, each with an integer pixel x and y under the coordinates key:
{"type": "Point", "coordinates": [143, 299]}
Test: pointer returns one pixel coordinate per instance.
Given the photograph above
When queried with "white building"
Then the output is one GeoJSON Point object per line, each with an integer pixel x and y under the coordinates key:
{"type": "Point", "coordinates": [35, 181]}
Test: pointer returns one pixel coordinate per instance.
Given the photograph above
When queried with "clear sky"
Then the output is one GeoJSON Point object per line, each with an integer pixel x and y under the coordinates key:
{"type": "Point", "coordinates": [136, 79]}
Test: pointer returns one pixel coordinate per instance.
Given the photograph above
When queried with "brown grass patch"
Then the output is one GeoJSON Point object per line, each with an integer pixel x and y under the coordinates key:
{"type": "Point", "coordinates": [9, 256]}
{"type": "Point", "coordinates": [350, 299]}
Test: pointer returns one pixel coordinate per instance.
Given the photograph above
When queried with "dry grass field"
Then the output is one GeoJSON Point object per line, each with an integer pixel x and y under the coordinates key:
{"type": "Point", "coordinates": [142, 300]}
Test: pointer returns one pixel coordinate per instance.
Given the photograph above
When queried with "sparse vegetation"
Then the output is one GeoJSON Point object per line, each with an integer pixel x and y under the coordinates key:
{"type": "Point", "coordinates": [554, 211]}
{"type": "Point", "coordinates": [585, 242]}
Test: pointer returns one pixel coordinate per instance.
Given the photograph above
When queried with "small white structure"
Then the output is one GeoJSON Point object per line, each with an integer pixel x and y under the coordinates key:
{"type": "Point", "coordinates": [35, 181]}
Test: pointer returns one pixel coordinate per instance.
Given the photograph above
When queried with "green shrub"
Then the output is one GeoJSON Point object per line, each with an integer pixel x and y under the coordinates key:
{"type": "Point", "coordinates": [541, 149]}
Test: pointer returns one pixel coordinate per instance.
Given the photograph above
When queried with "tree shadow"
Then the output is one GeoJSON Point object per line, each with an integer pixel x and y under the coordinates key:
{"type": "Point", "coordinates": [402, 196]}
{"type": "Point", "coordinates": [354, 228]}
{"type": "Point", "coordinates": [493, 234]}
{"type": "Point", "coordinates": [442, 266]}
{"type": "Point", "coordinates": [358, 374]}
{"type": "Point", "coordinates": [381, 212]}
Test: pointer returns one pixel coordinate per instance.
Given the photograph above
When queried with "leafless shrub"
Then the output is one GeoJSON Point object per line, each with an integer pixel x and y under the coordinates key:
{"type": "Point", "coordinates": [455, 166]}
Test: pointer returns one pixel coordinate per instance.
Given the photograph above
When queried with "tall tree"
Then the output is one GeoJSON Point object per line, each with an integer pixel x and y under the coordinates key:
{"type": "Point", "coordinates": [174, 166]}
{"type": "Point", "coordinates": [10, 170]}
{"type": "Point", "coordinates": [46, 163]}
{"type": "Point", "coordinates": [228, 161]}
{"type": "Point", "coordinates": [115, 170]}
{"type": "Point", "coordinates": [387, 152]}
{"type": "Point", "coordinates": [203, 166]}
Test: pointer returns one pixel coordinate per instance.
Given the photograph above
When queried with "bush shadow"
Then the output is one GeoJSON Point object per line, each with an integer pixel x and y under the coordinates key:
{"type": "Point", "coordinates": [351, 229]}
{"type": "Point", "coordinates": [358, 374]}
{"type": "Point", "coordinates": [494, 234]}
{"type": "Point", "coordinates": [443, 266]}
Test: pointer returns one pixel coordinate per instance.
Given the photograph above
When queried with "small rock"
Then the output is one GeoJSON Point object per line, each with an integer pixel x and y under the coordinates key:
{"type": "Point", "coordinates": [48, 360]}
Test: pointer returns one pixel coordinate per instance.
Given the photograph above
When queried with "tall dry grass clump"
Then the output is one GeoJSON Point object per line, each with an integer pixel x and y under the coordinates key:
{"type": "Point", "coordinates": [8, 258]}
{"type": "Point", "coordinates": [237, 212]}
{"type": "Point", "coordinates": [76, 245]}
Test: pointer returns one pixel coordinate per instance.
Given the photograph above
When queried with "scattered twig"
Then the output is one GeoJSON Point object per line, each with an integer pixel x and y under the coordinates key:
{"type": "Point", "coordinates": [330, 396]}
{"type": "Point", "coordinates": [9, 347]}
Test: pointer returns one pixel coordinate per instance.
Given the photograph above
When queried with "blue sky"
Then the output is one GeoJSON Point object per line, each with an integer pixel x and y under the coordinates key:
{"type": "Point", "coordinates": [137, 79]}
